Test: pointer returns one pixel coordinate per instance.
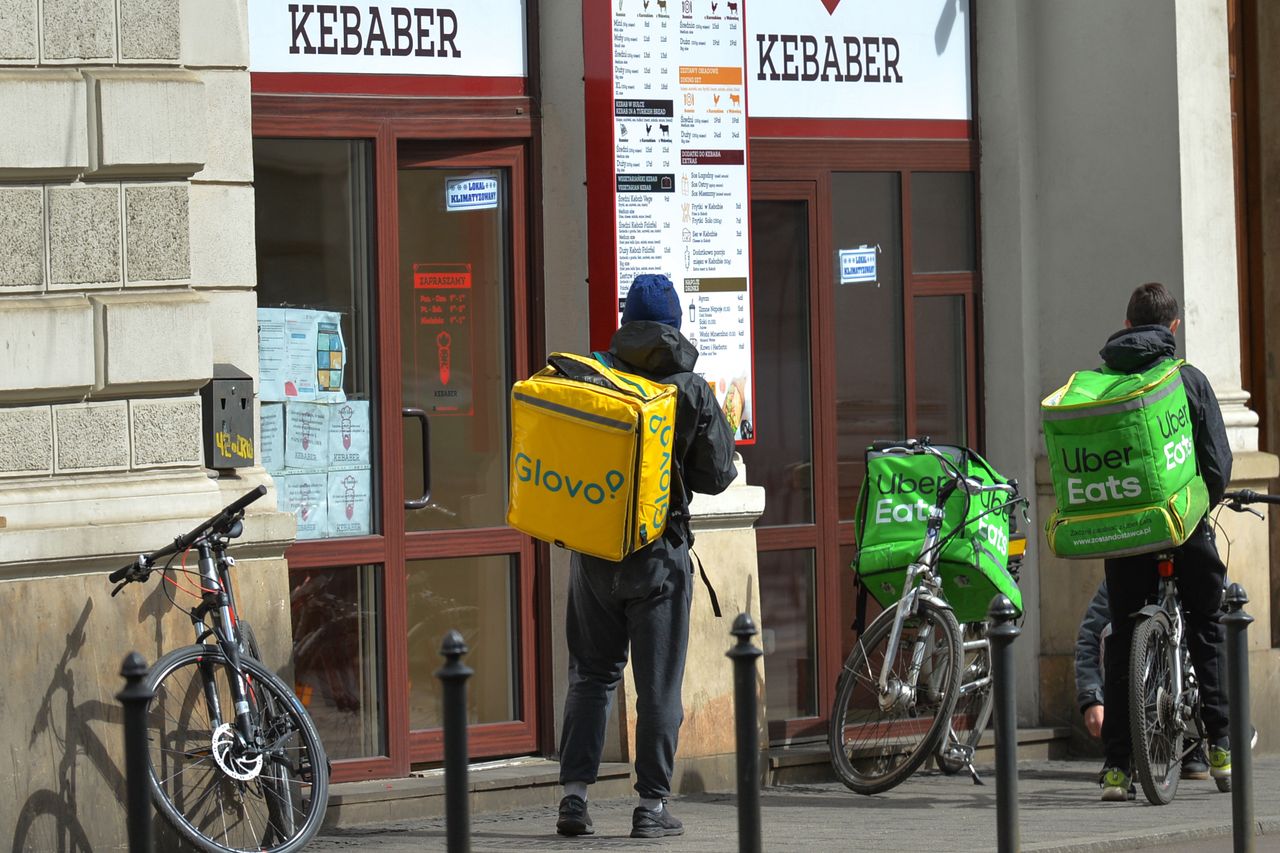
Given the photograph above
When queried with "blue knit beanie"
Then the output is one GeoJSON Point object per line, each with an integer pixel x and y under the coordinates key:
{"type": "Point", "coordinates": [652, 297]}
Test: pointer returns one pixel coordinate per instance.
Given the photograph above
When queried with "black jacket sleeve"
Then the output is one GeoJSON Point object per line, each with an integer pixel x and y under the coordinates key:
{"type": "Point", "coordinates": [708, 462]}
{"type": "Point", "coordinates": [1089, 650]}
{"type": "Point", "coordinates": [1213, 452]}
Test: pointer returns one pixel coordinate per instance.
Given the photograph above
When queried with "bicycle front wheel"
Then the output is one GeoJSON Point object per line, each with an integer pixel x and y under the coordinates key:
{"type": "Point", "coordinates": [1155, 724]}
{"type": "Point", "coordinates": [973, 708]}
{"type": "Point", "coordinates": [222, 792]}
{"type": "Point", "coordinates": [878, 737]}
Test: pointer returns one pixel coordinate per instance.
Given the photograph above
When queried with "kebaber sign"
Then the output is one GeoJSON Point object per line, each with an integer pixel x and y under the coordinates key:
{"type": "Point", "coordinates": [843, 59]}
{"type": "Point", "coordinates": [470, 38]}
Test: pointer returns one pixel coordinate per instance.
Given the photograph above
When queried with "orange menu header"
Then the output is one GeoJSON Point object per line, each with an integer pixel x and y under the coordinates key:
{"type": "Point", "coordinates": [709, 75]}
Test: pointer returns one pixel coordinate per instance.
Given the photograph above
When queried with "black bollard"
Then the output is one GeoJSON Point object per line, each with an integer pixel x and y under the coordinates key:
{"type": "Point", "coordinates": [1237, 622]}
{"type": "Point", "coordinates": [135, 697]}
{"type": "Point", "coordinates": [744, 656]}
{"type": "Point", "coordinates": [1001, 632]}
{"type": "Point", "coordinates": [457, 809]}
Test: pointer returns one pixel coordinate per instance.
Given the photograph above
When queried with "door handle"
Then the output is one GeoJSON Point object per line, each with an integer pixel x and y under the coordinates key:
{"type": "Point", "coordinates": [420, 503]}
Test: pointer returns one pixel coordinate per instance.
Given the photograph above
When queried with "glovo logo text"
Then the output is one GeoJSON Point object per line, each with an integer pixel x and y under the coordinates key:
{"type": "Point", "coordinates": [659, 426]}
{"type": "Point", "coordinates": [530, 470]}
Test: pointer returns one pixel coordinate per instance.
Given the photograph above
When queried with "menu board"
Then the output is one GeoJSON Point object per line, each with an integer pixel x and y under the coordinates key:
{"type": "Point", "coordinates": [680, 178]}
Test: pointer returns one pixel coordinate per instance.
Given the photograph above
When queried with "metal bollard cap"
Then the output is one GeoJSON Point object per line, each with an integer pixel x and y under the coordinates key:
{"type": "Point", "coordinates": [453, 645]}
{"type": "Point", "coordinates": [743, 626]}
{"type": "Point", "coordinates": [134, 666]}
{"type": "Point", "coordinates": [1236, 597]}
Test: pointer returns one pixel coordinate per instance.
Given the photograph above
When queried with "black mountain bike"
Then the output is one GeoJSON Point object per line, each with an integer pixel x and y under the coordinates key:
{"type": "Point", "coordinates": [236, 763]}
{"type": "Point", "coordinates": [1164, 697]}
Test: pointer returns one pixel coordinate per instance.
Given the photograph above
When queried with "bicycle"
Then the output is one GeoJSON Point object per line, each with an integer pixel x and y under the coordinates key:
{"type": "Point", "coordinates": [1164, 697]}
{"type": "Point", "coordinates": [973, 709]}
{"type": "Point", "coordinates": [235, 761]}
{"type": "Point", "coordinates": [897, 693]}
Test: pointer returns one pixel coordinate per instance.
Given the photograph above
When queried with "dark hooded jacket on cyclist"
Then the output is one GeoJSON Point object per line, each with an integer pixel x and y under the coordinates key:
{"type": "Point", "coordinates": [642, 603]}
{"type": "Point", "coordinates": [1198, 569]}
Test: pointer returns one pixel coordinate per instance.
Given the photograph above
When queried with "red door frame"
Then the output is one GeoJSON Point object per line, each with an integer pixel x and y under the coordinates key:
{"type": "Point", "coordinates": [503, 130]}
{"type": "Point", "coordinates": [779, 167]}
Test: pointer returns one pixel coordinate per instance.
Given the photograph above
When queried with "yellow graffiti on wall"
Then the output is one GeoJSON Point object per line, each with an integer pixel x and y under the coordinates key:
{"type": "Point", "coordinates": [240, 447]}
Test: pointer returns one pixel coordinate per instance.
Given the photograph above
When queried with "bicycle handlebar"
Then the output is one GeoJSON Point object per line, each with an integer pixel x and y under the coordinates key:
{"type": "Point", "coordinates": [1238, 499]}
{"type": "Point", "coordinates": [966, 484]}
{"type": "Point", "coordinates": [221, 521]}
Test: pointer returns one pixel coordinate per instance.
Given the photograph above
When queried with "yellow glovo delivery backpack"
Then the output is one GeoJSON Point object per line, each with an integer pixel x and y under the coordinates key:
{"type": "Point", "coordinates": [591, 449]}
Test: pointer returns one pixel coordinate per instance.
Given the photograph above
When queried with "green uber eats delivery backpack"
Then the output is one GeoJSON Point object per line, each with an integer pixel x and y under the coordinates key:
{"type": "Point", "coordinates": [1123, 462]}
{"type": "Point", "coordinates": [893, 508]}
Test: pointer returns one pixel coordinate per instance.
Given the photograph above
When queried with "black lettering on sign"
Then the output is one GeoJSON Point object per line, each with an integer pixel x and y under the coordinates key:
{"type": "Point", "coordinates": [329, 28]}
{"type": "Point", "coordinates": [869, 59]}
{"type": "Point", "coordinates": [300, 27]}
{"type": "Point", "coordinates": [328, 16]}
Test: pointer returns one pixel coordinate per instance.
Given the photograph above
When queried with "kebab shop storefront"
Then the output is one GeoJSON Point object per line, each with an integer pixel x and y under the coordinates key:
{"type": "Point", "coordinates": [866, 293]}
{"type": "Point", "coordinates": [393, 165]}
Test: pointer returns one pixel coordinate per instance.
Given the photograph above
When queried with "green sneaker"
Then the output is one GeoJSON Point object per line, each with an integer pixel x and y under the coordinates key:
{"type": "Point", "coordinates": [1220, 762]}
{"type": "Point", "coordinates": [1117, 786]}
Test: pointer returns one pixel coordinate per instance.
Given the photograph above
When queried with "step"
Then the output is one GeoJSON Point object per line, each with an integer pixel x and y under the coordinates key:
{"type": "Point", "coordinates": [810, 762]}
{"type": "Point", "coordinates": [495, 786]}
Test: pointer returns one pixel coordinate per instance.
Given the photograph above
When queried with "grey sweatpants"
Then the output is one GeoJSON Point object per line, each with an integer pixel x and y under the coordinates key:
{"type": "Point", "coordinates": [644, 602]}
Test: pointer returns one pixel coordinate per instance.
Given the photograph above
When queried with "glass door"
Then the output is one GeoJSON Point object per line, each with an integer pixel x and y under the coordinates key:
{"type": "Point", "coordinates": [460, 301]}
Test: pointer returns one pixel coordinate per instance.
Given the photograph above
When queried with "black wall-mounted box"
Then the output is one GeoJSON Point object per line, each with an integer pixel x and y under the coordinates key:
{"type": "Point", "coordinates": [228, 418]}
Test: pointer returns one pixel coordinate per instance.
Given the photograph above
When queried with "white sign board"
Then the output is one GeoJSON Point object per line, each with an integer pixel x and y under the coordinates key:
{"type": "Point", "coordinates": [858, 265]}
{"type": "Point", "coordinates": [476, 38]}
{"type": "Point", "coordinates": [681, 186]}
{"type": "Point", "coordinates": [864, 59]}
{"type": "Point", "coordinates": [470, 193]}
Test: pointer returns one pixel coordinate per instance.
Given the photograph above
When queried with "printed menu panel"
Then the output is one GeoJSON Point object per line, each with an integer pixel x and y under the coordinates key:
{"type": "Point", "coordinates": [681, 182]}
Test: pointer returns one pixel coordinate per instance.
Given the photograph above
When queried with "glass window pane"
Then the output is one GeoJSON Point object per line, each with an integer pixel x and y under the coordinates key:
{"type": "Point", "coordinates": [316, 325]}
{"type": "Point", "coordinates": [477, 597]}
{"type": "Point", "coordinates": [455, 333]}
{"type": "Point", "coordinates": [337, 672]}
{"type": "Point", "coordinates": [782, 458]}
{"type": "Point", "coordinates": [866, 210]}
{"type": "Point", "coordinates": [940, 368]}
{"type": "Point", "coordinates": [942, 232]}
{"type": "Point", "coordinates": [789, 633]}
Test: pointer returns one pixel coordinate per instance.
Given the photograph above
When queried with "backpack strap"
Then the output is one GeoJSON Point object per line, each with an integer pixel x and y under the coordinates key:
{"type": "Point", "coordinates": [711, 590]}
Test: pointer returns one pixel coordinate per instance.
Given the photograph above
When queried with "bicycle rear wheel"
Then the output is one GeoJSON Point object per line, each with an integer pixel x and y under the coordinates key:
{"type": "Point", "coordinates": [973, 708]}
{"type": "Point", "coordinates": [1155, 727]}
{"type": "Point", "coordinates": [221, 793]}
{"type": "Point", "coordinates": [877, 739]}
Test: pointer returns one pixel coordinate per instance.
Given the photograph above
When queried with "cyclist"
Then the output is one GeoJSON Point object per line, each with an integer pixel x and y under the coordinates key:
{"type": "Point", "coordinates": [1091, 648]}
{"type": "Point", "coordinates": [1151, 320]}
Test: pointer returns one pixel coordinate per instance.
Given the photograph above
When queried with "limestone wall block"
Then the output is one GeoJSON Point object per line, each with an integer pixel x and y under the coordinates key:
{"type": "Point", "coordinates": [91, 437]}
{"type": "Point", "coordinates": [21, 239]}
{"type": "Point", "coordinates": [51, 138]}
{"type": "Point", "coordinates": [229, 156]}
{"type": "Point", "coordinates": [18, 43]}
{"type": "Point", "coordinates": [48, 348]}
{"type": "Point", "coordinates": [149, 31]}
{"type": "Point", "coordinates": [222, 236]}
{"type": "Point", "coordinates": [151, 342]}
{"type": "Point", "coordinates": [27, 448]}
{"type": "Point", "coordinates": [145, 122]}
{"type": "Point", "coordinates": [157, 233]}
{"type": "Point", "coordinates": [165, 433]}
{"type": "Point", "coordinates": [215, 33]}
{"type": "Point", "coordinates": [84, 236]}
{"type": "Point", "coordinates": [78, 30]}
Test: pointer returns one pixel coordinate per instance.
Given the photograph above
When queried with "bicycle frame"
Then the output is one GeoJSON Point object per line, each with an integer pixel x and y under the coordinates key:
{"type": "Point", "coordinates": [930, 586]}
{"type": "Point", "coordinates": [217, 599]}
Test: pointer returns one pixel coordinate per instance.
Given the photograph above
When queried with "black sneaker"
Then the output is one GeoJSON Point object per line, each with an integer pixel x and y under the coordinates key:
{"type": "Point", "coordinates": [1195, 765]}
{"type": "Point", "coordinates": [647, 823]}
{"type": "Point", "coordinates": [574, 818]}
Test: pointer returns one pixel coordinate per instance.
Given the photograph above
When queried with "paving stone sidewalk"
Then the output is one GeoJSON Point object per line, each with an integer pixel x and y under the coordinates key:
{"type": "Point", "coordinates": [1059, 811]}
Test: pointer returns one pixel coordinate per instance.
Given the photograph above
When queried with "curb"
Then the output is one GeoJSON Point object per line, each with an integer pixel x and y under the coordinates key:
{"type": "Point", "coordinates": [1264, 826]}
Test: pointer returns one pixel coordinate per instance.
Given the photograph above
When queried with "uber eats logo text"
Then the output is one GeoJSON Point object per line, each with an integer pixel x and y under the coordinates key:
{"type": "Point", "coordinates": [893, 510]}
{"type": "Point", "coordinates": [1081, 460]}
{"type": "Point", "coordinates": [529, 470]}
{"type": "Point", "coordinates": [1176, 425]}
